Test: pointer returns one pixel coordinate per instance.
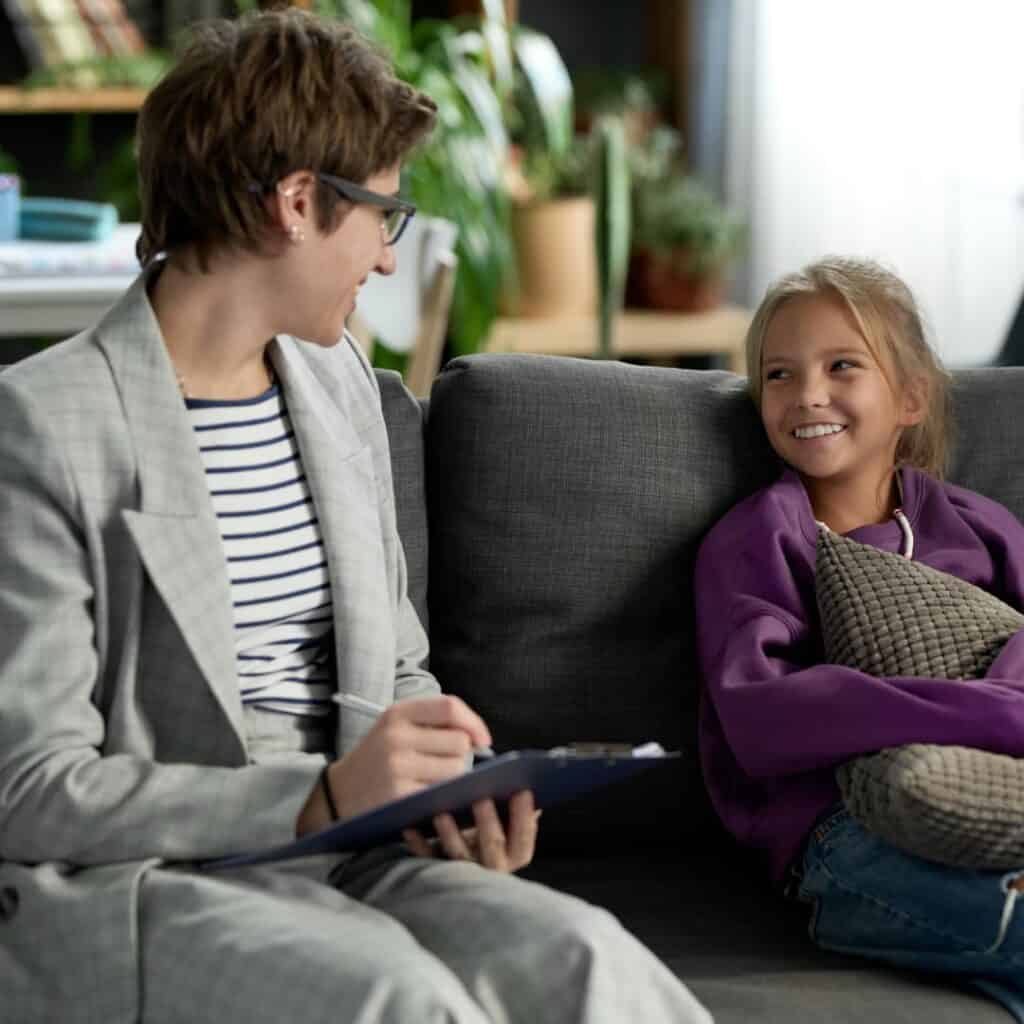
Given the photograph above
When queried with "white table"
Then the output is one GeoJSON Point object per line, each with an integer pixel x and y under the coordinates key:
{"type": "Point", "coordinates": [56, 288]}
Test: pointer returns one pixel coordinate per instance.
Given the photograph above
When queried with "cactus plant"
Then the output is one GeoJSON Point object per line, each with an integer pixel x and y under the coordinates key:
{"type": "Point", "coordinates": [612, 196]}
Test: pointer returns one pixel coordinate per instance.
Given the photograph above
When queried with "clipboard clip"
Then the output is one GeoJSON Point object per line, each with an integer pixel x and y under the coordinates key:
{"type": "Point", "coordinates": [592, 749]}
{"type": "Point", "coordinates": [610, 750]}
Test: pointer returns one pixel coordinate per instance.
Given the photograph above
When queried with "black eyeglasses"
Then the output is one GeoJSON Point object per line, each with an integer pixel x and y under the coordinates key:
{"type": "Point", "coordinates": [397, 212]}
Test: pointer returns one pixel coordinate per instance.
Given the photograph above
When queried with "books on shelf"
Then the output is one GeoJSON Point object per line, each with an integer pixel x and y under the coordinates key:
{"type": "Point", "coordinates": [115, 255]}
{"type": "Point", "coordinates": [37, 34]}
{"type": "Point", "coordinates": [113, 32]}
{"type": "Point", "coordinates": [58, 30]}
{"type": "Point", "coordinates": [20, 48]}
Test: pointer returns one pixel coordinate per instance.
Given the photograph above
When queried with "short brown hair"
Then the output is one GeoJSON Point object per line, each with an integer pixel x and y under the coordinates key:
{"type": "Point", "coordinates": [248, 102]}
{"type": "Point", "coordinates": [888, 317]}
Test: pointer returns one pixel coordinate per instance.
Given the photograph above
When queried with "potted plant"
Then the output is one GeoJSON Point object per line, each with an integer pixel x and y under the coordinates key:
{"type": "Point", "coordinates": [633, 96]}
{"type": "Point", "coordinates": [684, 239]}
{"type": "Point", "coordinates": [553, 233]}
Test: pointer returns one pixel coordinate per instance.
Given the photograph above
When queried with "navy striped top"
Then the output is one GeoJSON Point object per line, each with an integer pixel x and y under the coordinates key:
{"type": "Point", "coordinates": [280, 589]}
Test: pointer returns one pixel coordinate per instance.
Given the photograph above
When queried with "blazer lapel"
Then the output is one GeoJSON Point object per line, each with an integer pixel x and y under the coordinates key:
{"type": "Point", "coordinates": [175, 529]}
{"type": "Point", "coordinates": [339, 467]}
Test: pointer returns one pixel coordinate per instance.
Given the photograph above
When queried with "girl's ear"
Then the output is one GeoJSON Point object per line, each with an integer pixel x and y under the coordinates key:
{"type": "Point", "coordinates": [914, 401]}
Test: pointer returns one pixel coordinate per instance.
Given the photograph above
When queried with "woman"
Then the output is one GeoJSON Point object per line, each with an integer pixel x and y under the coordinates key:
{"type": "Point", "coordinates": [199, 554]}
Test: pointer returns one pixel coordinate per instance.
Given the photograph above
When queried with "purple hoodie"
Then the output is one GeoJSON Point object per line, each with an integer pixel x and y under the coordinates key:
{"type": "Point", "coordinates": [775, 720]}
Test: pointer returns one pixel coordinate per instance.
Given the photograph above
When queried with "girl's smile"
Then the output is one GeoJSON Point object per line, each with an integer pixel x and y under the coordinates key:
{"type": "Point", "coordinates": [814, 431]}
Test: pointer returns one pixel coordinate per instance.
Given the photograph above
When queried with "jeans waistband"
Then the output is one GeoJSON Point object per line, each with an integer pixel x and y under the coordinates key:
{"type": "Point", "coordinates": [824, 824]}
{"type": "Point", "coordinates": [827, 822]}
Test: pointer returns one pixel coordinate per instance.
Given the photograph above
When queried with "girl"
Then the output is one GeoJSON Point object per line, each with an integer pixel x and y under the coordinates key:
{"type": "Point", "coordinates": [856, 405]}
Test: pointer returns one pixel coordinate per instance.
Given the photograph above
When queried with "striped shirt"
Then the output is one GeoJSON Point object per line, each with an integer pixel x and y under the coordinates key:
{"type": "Point", "coordinates": [280, 589]}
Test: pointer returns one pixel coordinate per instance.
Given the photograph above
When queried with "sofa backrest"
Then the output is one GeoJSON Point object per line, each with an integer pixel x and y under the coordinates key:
{"type": "Point", "coordinates": [567, 499]}
{"type": "Point", "coordinates": [988, 434]}
{"type": "Point", "coordinates": [404, 417]}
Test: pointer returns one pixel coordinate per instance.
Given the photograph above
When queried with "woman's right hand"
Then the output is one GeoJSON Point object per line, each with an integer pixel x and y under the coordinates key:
{"type": "Point", "coordinates": [413, 744]}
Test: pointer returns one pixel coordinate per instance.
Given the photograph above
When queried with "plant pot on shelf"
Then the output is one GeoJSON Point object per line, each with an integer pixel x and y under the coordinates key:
{"type": "Point", "coordinates": [555, 258]}
{"type": "Point", "coordinates": [660, 280]}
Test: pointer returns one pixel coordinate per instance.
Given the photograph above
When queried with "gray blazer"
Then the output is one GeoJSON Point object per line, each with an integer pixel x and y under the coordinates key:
{"type": "Point", "coordinates": [121, 738]}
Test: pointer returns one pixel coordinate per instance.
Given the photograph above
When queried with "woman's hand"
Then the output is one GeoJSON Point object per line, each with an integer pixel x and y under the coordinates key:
{"type": "Point", "coordinates": [488, 843]}
{"type": "Point", "coordinates": [413, 744]}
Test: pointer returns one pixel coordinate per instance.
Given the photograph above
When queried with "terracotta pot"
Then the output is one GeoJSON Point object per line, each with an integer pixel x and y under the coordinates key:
{"type": "Point", "coordinates": [656, 283]}
{"type": "Point", "coordinates": [555, 258]}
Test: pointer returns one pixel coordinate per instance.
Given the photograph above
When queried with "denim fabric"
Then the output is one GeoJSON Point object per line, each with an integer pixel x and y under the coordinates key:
{"type": "Point", "coordinates": [873, 900]}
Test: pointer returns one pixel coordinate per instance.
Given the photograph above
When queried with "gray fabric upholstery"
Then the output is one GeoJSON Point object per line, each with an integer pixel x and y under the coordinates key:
{"type": "Point", "coordinates": [567, 499]}
{"type": "Point", "coordinates": [404, 417]}
{"type": "Point", "coordinates": [988, 434]}
{"type": "Point", "coordinates": [743, 950]}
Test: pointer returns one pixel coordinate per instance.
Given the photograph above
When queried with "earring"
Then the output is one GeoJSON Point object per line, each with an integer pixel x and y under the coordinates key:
{"type": "Point", "coordinates": [296, 235]}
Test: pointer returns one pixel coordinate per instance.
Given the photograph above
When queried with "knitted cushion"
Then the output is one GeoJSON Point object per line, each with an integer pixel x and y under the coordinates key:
{"type": "Point", "coordinates": [889, 616]}
{"type": "Point", "coordinates": [954, 805]}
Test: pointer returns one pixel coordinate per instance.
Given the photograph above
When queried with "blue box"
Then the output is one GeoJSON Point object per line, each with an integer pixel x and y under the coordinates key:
{"type": "Point", "coordinates": [10, 200]}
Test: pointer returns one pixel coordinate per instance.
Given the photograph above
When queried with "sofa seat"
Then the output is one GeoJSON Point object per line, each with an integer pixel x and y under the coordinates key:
{"type": "Point", "coordinates": [743, 949]}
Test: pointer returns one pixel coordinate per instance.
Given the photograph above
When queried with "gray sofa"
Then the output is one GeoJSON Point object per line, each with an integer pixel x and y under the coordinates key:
{"type": "Point", "coordinates": [551, 511]}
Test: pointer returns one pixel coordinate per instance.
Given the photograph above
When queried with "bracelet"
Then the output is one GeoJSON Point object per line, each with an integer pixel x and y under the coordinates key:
{"type": "Point", "coordinates": [325, 785]}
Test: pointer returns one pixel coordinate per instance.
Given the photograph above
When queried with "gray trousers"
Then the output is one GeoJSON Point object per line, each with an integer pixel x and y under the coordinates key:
{"type": "Point", "coordinates": [387, 938]}
{"type": "Point", "coordinates": [391, 939]}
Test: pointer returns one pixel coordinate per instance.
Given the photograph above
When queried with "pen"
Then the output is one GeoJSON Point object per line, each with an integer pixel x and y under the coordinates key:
{"type": "Point", "coordinates": [354, 702]}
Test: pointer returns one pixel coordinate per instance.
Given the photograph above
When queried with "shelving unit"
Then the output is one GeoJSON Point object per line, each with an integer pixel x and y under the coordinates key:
{"type": "Point", "coordinates": [14, 100]}
{"type": "Point", "coordinates": [639, 333]}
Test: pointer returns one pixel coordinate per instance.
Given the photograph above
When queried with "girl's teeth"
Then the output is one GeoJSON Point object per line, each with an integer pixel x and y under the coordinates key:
{"type": "Point", "coordinates": [820, 430]}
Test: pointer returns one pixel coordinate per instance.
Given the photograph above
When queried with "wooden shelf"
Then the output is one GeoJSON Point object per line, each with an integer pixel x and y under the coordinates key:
{"type": "Point", "coordinates": [640, 333]}
{"type": "Point", "coordinates": [14, 100]}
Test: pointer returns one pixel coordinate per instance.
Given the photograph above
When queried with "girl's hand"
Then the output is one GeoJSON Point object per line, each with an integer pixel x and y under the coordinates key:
{"type": "Point", "coordinates": [487, 843]}
{"type": "Point", "coordinates": [413, 744]}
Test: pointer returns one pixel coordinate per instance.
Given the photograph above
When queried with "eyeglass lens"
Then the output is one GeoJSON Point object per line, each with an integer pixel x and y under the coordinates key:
{"type": "Point", "coordinates": [394, 224]}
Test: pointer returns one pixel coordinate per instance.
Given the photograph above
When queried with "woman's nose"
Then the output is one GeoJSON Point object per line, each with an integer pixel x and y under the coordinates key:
{"type": "Point", "coordinates": [388, 260]}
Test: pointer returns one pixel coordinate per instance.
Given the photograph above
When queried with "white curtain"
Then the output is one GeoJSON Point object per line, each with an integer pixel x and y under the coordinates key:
{"type": "Point", "coordinates": [892, 129]}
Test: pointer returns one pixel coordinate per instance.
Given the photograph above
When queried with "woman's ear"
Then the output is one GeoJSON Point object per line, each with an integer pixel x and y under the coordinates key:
{"type": "Point", "coordinates": [291, 204]}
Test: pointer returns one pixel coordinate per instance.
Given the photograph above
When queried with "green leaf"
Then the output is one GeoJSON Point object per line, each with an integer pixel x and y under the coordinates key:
{"type": "Point", "coordinates": [479, 96]}
{"type": "Point", "coordinates": [499, 47]}
{"type": "Point", "coordinates": [613, 225]}
{"type": "Point", "coordinates": [548, 89]}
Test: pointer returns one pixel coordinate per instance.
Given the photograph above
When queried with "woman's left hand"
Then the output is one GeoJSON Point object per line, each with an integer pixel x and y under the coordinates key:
{"type": "Point", "coordinates": [488, 843]}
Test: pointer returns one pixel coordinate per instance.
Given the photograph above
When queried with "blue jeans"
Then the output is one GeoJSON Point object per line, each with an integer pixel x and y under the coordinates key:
{"type": "Point", "coordinates": [872, 900]}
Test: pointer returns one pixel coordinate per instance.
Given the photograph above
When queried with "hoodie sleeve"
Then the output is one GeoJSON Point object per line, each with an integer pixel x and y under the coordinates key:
{"type": "Point", "coordinates": [782, 710]}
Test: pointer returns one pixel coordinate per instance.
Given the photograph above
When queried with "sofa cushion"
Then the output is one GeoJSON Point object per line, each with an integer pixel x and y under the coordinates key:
{"type": "Point", "coordinates": [988, 434]}
{"type": "Point", "coordinates": [567, 499]}
{"type": "Point", "coordinates": [888, 615]}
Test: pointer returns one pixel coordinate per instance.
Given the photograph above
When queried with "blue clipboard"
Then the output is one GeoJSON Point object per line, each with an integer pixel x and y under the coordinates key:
{"type": "Point", "coordinates": [553, 776]}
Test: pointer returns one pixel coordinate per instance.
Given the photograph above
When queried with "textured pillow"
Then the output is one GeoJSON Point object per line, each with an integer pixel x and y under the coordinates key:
{"type": "Point", "coordinates": [890, 616]}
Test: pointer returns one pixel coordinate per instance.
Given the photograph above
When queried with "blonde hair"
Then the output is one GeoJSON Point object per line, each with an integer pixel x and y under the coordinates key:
{"type": "Point", "coordinates": [250, 101]}
{"type": "Point", "coordinates": [887, 315]}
